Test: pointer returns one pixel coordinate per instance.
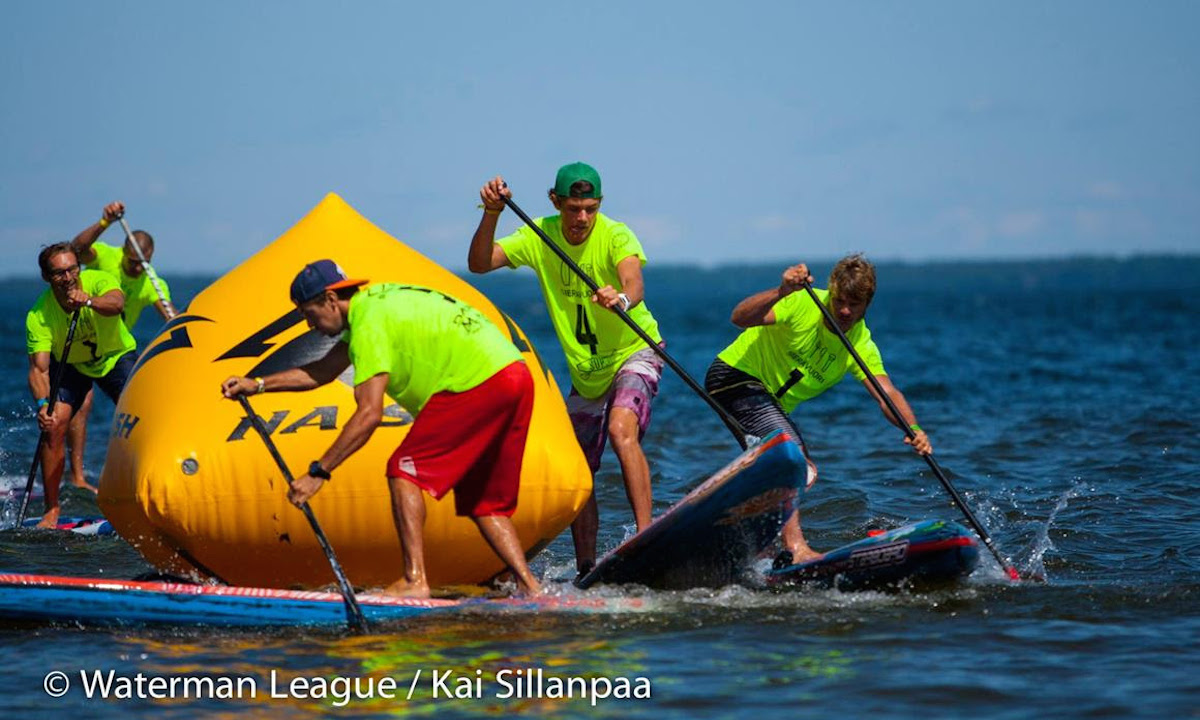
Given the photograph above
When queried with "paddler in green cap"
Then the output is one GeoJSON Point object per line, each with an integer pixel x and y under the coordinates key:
{"type": "Point", "coordinates": [614, 375]}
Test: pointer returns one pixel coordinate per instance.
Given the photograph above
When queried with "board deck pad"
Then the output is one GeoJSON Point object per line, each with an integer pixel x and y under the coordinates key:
{"type": "Point", "coordinates": [712, 536]}
{"type": "Point", "coordinates": [97, 601]}
{"type": "Point", "coordinates": [933, 551]}
{"type": "Point", "coordinates": [77, 525]}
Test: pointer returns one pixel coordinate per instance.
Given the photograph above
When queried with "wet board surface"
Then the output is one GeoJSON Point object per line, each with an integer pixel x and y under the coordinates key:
{"type": "Point", "coordinates": [711, 536]}
{"type": "Point", "coordinates": [933, 551]}
{"type": "Point", "coordinates": [77, 525]}
{"type": "Point", "coordinates": [96, 601]}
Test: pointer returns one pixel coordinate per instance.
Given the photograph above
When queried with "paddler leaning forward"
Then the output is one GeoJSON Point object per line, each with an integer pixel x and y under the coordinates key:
{"type": "Point", "coordinates": [462, 380]}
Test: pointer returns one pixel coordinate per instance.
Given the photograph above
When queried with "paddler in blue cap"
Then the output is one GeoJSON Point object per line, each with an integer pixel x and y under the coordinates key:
{"type": "Point", "coordinates": [456, 373]}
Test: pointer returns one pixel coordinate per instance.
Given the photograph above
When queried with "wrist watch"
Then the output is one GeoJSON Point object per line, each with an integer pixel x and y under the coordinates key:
{"type": "Point", "coordinates": [624, 301]}
{"type": "Point", "coordinates": [317, 471]}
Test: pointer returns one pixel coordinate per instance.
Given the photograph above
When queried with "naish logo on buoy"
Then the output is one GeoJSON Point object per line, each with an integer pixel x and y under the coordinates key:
{"type": "Point", "coordinates": [123, 425]}
{"type": "Point", "coordinates": [322, 417]}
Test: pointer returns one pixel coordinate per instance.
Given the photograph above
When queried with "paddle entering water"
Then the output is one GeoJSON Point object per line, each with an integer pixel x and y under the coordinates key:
{"type": "Point", "coordinates": [52, 401]}
{"type": "Point", "coordinates": [912, 435]}
{"type": "Point", "coordinates": [745, 438]}
{"type": "Point", "coordinates": [354, 615]}
{"type": "Point", "coordinates": [137, 248]}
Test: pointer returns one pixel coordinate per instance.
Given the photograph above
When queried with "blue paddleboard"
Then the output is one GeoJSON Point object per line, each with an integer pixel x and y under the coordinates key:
{"type": "Point", "coordinates": [710, 537]}
{"type": "Point", "coordinates": [933, 551]}
{"type": "Point", "coordinates": [97, 601]}
{"type": "Point", "coordinates": [77, 525]}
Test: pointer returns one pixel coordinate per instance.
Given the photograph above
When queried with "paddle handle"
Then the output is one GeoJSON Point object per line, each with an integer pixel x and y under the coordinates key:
{"type": "Point", "coordinates": [354, 615]}
{"type": "Point", "coordinates": [55, 385]}
{"type": "Point", "coordinates": [912, 435]}
{"type": "Point", "coordinates": [729, 420]}
{"type": "Point", "coordinates": [137, 248]}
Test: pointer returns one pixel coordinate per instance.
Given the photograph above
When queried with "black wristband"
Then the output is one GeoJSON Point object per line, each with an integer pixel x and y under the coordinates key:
{"type": "Point", "coordinates": [317, 471]}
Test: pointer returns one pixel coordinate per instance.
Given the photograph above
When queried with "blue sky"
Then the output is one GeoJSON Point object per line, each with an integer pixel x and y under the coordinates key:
{"type": "Point", "coordinates": [723, 131]}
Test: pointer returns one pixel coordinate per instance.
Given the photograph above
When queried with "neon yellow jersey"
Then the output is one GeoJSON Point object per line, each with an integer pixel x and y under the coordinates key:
{"type": "Point", "coordinates": [427, 342]}
{"type": "Point", "coordinates": [99, 340]}
{"type": "Point", "coordinates": [798, 358]}
{"type": "Point", "coordinates": [139, 291]}
{"type": "Point", "coordinates": [595, 340]}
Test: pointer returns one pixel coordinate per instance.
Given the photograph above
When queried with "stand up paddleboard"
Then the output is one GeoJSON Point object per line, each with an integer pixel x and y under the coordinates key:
{"type": "Point", "coordinates": [94, 601]}
{"type": "Point", "coordinates": [711, 536]}
{"type": "Point", "coordinates": [932, 551]}
{"type": "Point", "coordinates": [77, 525]}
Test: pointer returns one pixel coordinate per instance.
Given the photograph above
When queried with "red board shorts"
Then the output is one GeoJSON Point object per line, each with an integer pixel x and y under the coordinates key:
{"type": "Point", "coordinates": [471, 442]}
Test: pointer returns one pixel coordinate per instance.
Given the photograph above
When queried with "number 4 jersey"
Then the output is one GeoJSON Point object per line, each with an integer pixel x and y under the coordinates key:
{"type": "Point", "coordinates": [99, 340]}
{"type": "Point", "coordinates": [595, 340]}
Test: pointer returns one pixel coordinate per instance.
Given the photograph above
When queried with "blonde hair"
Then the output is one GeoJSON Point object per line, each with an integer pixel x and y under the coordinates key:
{"type": "Point", "coordinates": [853, 278]}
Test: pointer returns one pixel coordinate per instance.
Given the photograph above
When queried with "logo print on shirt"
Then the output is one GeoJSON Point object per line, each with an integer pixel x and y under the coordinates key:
{"type": "Point", "coordinates": [468, 320]}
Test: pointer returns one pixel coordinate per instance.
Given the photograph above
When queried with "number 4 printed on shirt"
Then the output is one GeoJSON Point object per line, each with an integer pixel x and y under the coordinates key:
{"type": "Point", "coordinates": [583, 330]}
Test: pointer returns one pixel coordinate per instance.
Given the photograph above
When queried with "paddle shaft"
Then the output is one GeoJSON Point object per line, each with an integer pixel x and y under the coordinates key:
{"type": "Point", "coordinates": [722, 412]}
{"type": "Point", "coordinates": [912, 435]}
{"type": "Point", "coordinates": [137, 248]}
{"type": "Point", "coordinates": [354, 616]}
{"type": "Point", "coordinates": [52, 400]}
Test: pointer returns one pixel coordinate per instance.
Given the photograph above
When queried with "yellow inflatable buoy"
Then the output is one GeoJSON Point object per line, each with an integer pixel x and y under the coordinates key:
{"type": "Point", "coordinates": [189, 483]}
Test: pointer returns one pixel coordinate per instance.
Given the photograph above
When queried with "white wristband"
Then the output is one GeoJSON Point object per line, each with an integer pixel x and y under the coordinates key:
{"type": "Point", "coordinates": [624, 301]}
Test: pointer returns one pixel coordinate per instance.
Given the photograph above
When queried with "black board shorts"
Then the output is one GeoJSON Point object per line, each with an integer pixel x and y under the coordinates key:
{"type": "Point", "coordinates": [75, 385]}
{"type": "Point", "coordinates": [748, 401]}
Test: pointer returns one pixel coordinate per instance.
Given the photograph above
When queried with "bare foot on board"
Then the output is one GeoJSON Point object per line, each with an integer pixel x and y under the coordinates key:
{"type": "Point", "coordinates": [805, 554]}
{"type": "Point", "coordinates": [402, 588]}
{"type": "Point", "coordinates": [50, 519]}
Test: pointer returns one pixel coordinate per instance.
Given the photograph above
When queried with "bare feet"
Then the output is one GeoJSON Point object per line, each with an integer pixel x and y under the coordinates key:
{"type": "Point", "coordinates": [402, 588]}
{"type": "Point", "coordinates": [529, 588]}
{"type": "Point", "coordinates": [83, 485]}
{"type": "Point", "coordinates": [49, 519]}
{"type": "Point", "coordinates": [805, 554]}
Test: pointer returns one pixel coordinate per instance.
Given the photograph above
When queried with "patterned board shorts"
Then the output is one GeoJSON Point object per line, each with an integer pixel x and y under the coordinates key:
{"type": "Point", "coordinates": [633, 387]}
{"type": "Point", "coordinates": [758, 412]}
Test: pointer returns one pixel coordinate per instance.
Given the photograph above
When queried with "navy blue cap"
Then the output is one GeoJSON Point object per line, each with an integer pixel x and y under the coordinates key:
{"type": "Point", "coordinates": [317, 277]}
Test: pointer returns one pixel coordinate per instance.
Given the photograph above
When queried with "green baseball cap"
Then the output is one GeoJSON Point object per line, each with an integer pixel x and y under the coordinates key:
{"type": "Point", "coordinates": [568, 175]}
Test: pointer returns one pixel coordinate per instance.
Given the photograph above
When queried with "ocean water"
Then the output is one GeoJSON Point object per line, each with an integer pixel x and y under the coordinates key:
{"type": "Point", "coordinates": [1057, 395]}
